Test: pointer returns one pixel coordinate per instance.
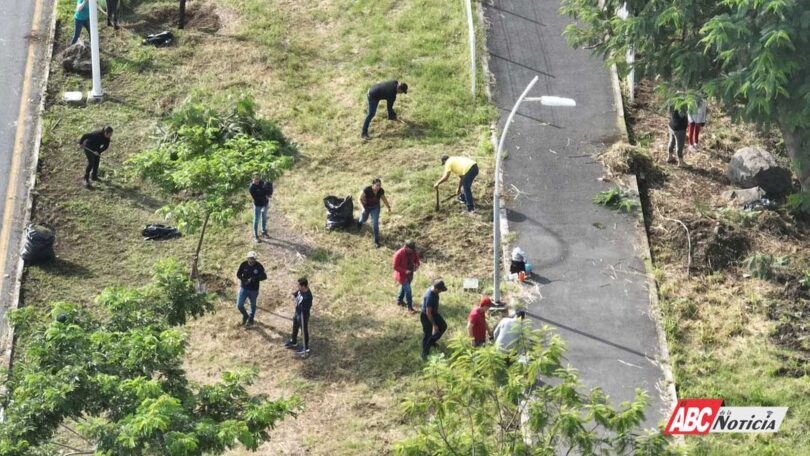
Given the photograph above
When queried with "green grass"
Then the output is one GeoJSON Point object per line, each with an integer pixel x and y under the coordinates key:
{"type": "Point", "coordinates": [308, 65]}
{"type": "Point", "coordinates": [721, 325]}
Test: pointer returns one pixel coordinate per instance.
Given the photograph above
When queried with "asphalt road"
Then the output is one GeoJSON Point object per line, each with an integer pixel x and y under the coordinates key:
{"type": "Point", "coordinates": [24, 32]}
{"type": "Point", "coordinates": [15, 29]}
{"type": "Point", "coordinates": [591, 285]}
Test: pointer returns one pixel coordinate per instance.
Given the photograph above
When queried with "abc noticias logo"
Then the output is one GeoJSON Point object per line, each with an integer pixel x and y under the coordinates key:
{"type": "Point", "coordinates": [702, 416]}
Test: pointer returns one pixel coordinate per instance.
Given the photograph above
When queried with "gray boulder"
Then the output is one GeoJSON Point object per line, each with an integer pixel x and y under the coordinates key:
{"type": "Point", "coordinates": [76, 58]}
{"type": "Point", "coordinates": [752, 167]}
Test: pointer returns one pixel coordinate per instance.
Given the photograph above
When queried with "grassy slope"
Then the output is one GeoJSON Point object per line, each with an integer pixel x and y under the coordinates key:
{"type": "Point", "coordinates": [308, 63]}
{"type": "Point", "coordinates": [718, 323]}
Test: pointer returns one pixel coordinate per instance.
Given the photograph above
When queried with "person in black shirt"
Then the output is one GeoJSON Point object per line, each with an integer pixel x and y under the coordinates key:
{"type": "Point", "coordinates": [261, 192]}
{"type": "Point", "coordinates": [370, 199]}
{"type": "Point", "coordinates": [433, 325]}
{"type": "Point", "coordinates": [303, 306]}
{"type": "Point", "coordinates": [250, 273]}
{"type": "Point", "coordinates": [93, 144]}
{"type": "Point", "coordinates": [678, 123]}
{"type": "Point", "coordinates": [387, 91]}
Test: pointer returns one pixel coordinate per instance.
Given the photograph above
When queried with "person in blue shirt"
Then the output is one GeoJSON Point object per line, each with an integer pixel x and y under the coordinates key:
{"type": "Point", "coordinates": [81, 19]}
{"type": "Point", "coordinates": [303, 306]}
{"type": "Point", "coordinates": [433, 325]}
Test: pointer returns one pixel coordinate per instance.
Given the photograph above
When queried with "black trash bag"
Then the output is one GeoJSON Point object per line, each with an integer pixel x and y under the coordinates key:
{"type": "Point", "coordinates": [339, 212]}
{"type": "Point", "coordinates": [157, 231]}
{"type": "Point", "coordinates": [38, 244]}
{"type": "Point", "coordinates": [159, 39]}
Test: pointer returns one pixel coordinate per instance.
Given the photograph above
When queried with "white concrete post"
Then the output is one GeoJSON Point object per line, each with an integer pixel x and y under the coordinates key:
{"type": "Point", "coordinates": [96, 93]}
{"type": "Point", "coordinates": [471, 27]}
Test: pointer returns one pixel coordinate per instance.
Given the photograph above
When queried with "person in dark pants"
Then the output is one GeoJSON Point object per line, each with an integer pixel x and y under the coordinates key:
{"type": "Point", "coordinates": [112, 13]}
{"type": "Point", "coordinates": [250, 273]}
{"type": "Point", "coordinates": [261, 192]}
{"type": "Point", "coordinates": [81, 19]}
{"type": "Point", "coordinates": [477, 327]}
{"type": "Point", "coordinates": [467, 170]}
{"type": "Point", "coordinates": [406, 261]}
{"type": "Point", "coordinates": [433, 325]}
{"type": "Point", "coordinates": [387, 91]}
{"type": "Point", "coordinates": [93, 144]}
{"type": "Point", "coordinates": [303, 306]}
{"type": "Point", "coordinates": [370, 199]}
{"type": "Point", "coordinates": [678, 122]}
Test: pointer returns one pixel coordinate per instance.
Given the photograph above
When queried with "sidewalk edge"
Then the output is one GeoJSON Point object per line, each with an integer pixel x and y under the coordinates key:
{"type": "Point", "coordinates": [670, 395]}
{"type": "Point", "coordinates": [32, 178]}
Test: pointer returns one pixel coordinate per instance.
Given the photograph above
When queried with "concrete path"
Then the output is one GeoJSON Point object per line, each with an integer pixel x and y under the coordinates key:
{"type": "Point", "coordinates": [25, 28]}
{"type": "Point", "coordinates": [592, 283]}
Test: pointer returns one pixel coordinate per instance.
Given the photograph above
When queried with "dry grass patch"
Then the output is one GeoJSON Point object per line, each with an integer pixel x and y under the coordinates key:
{"type": "Point", "coordinates": [731, 335]}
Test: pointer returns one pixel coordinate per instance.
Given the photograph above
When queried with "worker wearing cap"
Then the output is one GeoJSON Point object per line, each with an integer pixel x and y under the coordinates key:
{"type": "Point", "coordinates": [433, 325]}
{"type": "Point", "coordinates": [477, 322]}
{"type": "Point", "coordinates": [250, 273]}
{"type": "Point", "coordinates": [466, 169]}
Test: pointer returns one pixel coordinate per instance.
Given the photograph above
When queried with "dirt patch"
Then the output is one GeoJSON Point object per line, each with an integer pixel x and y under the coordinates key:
{"type": "Point", "coordinates": [199, 17]}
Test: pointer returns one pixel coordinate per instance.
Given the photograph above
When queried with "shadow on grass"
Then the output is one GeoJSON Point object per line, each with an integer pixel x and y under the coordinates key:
{"type": "Point", "coordinates": [133, 194]}
{"type": "Point", "coordinates": [389, 353]}
{"type": "Point", "coordinates": [64, 268]}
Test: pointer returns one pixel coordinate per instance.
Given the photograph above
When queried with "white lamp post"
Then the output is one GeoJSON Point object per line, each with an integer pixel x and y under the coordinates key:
{"type": "Point", "coordinates": [496, 202]}
{"type": "Point", "coordinates": [96, 93]}
{"type": "Point", "coordinates": [472, 45]}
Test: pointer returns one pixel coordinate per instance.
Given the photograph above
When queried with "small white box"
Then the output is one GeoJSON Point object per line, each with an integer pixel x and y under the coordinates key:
{"type": "Point", "coordinates": [470, 284]}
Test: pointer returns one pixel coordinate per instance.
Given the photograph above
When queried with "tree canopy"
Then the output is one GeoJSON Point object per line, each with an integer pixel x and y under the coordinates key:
{"type": "Point", "coordinates": [111, 382]}
{"type": "Point", "coordinates": [751, 55]}
{"type": "Point", "coordinates": [485, 402]}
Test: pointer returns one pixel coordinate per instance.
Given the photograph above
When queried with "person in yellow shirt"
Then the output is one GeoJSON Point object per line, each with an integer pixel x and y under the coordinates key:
{"type": "Point", "coordinates": [466, 169]}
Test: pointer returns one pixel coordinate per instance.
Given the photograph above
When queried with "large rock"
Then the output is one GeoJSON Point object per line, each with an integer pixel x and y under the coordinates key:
{"type": "Point", "coordinates": [752, 167]}
{"type": "Point", "coordinates": [76, 59]}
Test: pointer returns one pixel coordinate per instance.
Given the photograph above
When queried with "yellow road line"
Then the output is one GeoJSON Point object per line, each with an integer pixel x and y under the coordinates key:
{"type": "Point", "coordinates": [14, 171]}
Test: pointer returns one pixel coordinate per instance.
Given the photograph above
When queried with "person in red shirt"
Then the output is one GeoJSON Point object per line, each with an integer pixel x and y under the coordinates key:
{"type": "Point", "coordinates": [477, 322]}
{"type": "Point", "coordinates": [406, 261]}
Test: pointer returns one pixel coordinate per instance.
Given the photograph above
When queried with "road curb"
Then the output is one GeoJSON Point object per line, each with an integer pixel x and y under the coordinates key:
{"type": "Point", "coordinates": [32, 168]}
{"type": "Point", "coordinates": [668, 392]}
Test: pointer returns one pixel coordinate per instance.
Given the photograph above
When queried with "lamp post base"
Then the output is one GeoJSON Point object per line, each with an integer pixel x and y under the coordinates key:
{"type": "Point", "coordinates": [94, 98]}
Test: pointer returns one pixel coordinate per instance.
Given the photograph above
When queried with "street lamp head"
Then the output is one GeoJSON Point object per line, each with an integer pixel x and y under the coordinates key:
{"type": "Point", "coordinates": [546, 100]}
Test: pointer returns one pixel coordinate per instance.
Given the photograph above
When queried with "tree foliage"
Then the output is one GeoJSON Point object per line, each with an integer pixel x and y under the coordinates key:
{"type": "Point", "coordinates": [111, 382]}
{"type": "Point", "coordinates": [751, 55]}
{"type": "Point", "coordinates": [477, 401]}
{"type": "Point", "coordinates": [206, 159]}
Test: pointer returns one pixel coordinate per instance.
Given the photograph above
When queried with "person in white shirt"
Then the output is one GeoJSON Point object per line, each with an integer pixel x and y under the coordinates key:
{"type": "Point", "coordinates": [697, 119]}
{"type": "Point", "coordinates": [509, 331]}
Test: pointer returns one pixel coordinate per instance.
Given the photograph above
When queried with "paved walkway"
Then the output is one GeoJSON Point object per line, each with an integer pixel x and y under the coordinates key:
{"type": "Point", "coordinates": [21, 41]}
{"type": "Point", "coordinates": [592, 284]}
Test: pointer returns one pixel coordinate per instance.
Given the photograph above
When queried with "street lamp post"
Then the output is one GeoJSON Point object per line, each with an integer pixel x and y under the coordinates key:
{"type": "Point", "coordinates": [96, 93]}
{"type": "Point", "coordinates": [496, 202]}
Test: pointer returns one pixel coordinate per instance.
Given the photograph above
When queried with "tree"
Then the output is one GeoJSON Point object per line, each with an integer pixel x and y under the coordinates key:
{"type": "Point", "coordinates": [480, 401]}
{"type": "Point", "coordinates": [206, 160]}
{"type": "Point", "coordinates": [111, 382]}
{"type": "Point", "coordinates": [751, 55]}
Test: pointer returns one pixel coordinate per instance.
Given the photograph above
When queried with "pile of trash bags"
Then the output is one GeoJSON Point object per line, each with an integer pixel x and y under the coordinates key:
{"type": "Point", "coordinates": [339, 212]}
{"type": "Point", "coordinates": [39, 242]}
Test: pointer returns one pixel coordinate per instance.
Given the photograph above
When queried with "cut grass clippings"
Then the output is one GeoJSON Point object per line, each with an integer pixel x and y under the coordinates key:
{"type": "Point", "coordinates": [731, 334]}
{"type": "Point", "coordinates": [308, 65]}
